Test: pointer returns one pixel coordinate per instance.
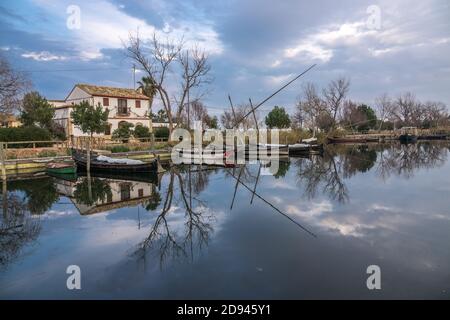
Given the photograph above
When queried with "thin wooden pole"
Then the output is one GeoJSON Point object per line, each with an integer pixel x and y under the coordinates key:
{"type": "Point", "coordinates": [2, 159]}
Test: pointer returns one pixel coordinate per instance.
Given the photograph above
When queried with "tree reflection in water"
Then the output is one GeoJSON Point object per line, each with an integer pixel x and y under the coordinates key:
{"type": "Point", "coordinates": [167, 238]}
{"type": "Point", "coordinates": [403, 160]}
{"type": "Point", "coordinates": [90, 191]}
{"type": "Point", "coordinates": [327, 173]}
{"type": "Point", "coordinates": [17, 228]}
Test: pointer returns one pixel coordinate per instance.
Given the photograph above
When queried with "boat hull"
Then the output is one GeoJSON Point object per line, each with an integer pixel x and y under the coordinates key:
{"type": "Point", "coordinates": [407, 138]}
{"type": "Point", "coordinates": [351, 140]}
{"type": "Point", "coordinates": [99, 166]}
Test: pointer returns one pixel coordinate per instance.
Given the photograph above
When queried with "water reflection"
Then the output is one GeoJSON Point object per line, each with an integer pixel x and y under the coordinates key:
{"type": "Point", "coordinates": [349, 198]}
{"type": "Point", "coordinates": [327, 174]}
{"type": "Point", "coordinates": [169, 238]}
{"type": "Point", "coordinates": [17, 227]}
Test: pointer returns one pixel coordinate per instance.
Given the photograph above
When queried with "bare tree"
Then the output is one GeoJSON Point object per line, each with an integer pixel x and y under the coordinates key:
{"type": "Point", "coordinates": [334, 95]}
{"type": "Point", "coordinates": [407, 109]}
{"type": "Point", "coordinates": [157, 57]}
{"type": "Point", "coordinates": [12, 85]}
{"type": "Point", "coordinates": [435, 114]}
{"type": "Point", "coordinates": [309, 107]}
{"type": "Point", "coordinates": [229, 118]}
{"type": "Point", "coordinates": [385, 108]}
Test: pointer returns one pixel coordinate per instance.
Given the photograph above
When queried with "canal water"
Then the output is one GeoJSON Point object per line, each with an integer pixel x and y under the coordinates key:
{"type": "Point", "coordinates": [309, 231]}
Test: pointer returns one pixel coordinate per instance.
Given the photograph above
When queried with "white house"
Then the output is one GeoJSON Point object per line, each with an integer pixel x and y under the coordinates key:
{"type": "Point", "coordinates": [124, 105]}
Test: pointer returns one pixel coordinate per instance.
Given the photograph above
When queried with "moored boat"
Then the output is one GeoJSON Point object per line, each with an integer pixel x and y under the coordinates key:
{"type": "Point", "coordinates": [433, 137]}
{"type": "Point", "coordinates": [63, 167]}
{"type": "Point", "coordinates": [304, 148]}
{"type": "Point", "coordinates": [106, 164]}
{"type": "Point", "coordinates": [334, 140]}
{"type": "Point", "coordinates": [407, 138]}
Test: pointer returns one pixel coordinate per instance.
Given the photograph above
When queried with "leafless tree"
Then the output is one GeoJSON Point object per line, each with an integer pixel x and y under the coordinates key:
{"type": "Point", "coordinates": [309, 107]}
{"type": "Point", "coordinates": [159, 58]}
{"type": "Point", "coordinates": [229, 118]}
{"type": "Point", "coordinates": [407, 109]}
{"type": "Point", "coordinates": [12, 85]}
{"type": "Point", "coordinates": [335, 94]}
{"type": "Point", "coordinates": [385, 108]}
{"type": "Point", "coordinates": [435, 113]}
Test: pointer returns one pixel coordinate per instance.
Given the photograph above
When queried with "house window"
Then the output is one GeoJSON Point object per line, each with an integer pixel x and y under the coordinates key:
{"type": "Point", "coordinates": [122, 106]}
{"type": "Point", "coordinates": [108, 130]}
{"type": "Point", "coordinates": [138, 103]}
{"type": "Point", "coordinates": [105, 102]}
{"type": "Point", "coordinates": [140, 193]}
{"type": "Point", "coordinates": [125, 191]}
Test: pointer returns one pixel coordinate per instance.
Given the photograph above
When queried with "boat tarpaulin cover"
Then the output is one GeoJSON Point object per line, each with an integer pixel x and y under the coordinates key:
{"type": "Point", "coordinates": [118, 160]}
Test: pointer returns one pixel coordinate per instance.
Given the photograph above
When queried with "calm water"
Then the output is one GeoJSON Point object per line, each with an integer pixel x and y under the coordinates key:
{"type": "Point", "coordinates": [309, 232]}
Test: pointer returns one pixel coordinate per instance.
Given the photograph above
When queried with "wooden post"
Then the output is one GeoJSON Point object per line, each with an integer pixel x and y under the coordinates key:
{"type": "Point", "coordinates": [2, 160]}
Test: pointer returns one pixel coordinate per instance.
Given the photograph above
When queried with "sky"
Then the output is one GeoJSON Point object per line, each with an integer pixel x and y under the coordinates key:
{"type": "Point", "coordinates": [254, 46]}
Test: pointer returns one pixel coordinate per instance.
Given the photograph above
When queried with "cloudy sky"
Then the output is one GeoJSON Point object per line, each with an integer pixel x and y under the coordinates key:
{"type": "Point", "coordinates": [254, 45]}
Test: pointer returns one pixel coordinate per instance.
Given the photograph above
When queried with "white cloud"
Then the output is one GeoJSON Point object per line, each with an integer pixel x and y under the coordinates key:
{"type": "Point", "coordinates": [43, 56]}
{"type": "Point", "coordinates": [105, 26]}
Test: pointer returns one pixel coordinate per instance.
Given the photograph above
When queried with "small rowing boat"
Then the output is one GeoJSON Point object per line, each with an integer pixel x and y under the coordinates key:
{"type": "Point", "coordinates": [61, 167]}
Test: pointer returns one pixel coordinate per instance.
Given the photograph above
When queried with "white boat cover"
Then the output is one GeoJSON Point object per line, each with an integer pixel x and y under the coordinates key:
{"type": "Point", "coordinates": [310, 140]}
{"type": "Point", "coordinates": [118, 160]}
{"type": "Point", "coordinates": [271, 145]}
{"type": "Point", "coordinates": [299, 145]}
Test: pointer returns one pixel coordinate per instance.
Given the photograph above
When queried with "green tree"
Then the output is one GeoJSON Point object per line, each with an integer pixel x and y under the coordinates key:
{"type": "Point", "coordinates": [160, 116]}
{"type": "Point", "coordinates": [148, 87]}
{"type": "Point", "coordinates": [370, 116]}
{"type": "Point", "coordinates": [90, 120]}
{"type": "Point", "coordinates": [212, 123]}
{"type": "Point", "coordinates": [36, 111]}
{"type": "Point", "coordinates": [278, 118]}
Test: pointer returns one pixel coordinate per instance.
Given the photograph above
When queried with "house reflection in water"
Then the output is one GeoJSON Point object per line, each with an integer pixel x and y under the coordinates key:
{"type": "Point", "coordinates": [105, 194]}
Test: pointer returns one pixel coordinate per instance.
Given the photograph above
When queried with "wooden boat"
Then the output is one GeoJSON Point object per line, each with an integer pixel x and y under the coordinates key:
{"type": "Point", "coordinates": [61, 167]}
{"type": "Point", "coordinates": [103, 166]}
{"type": "Point", "coordinates": [407, 138]}
{"type": "Point", "coordinates": [334, 140]}
{"type": "Point", "coordinates": [433, 137]}
{"type": "Point", "coordinates": [304, 148]}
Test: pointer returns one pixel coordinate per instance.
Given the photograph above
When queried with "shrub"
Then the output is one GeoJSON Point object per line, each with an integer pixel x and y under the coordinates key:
{"type": "Point", "coordinates": [117, 149]}
{"type": "Point", "coordinates": [24, 134]}
{"type": "Point", "coordinates": [141, 132]}
{"type": "Point", "coordinates": [47, 153]}
{"type": "Point", "coordinates": [162, 132]}
{"type": "Point", "coordinates": [124, 132]}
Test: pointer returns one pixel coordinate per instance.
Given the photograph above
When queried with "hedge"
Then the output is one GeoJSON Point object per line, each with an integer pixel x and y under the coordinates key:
{"type": "Point", "coordinates": [24, 134]}
{"type": "Point", "coordinates": [162, 132]}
